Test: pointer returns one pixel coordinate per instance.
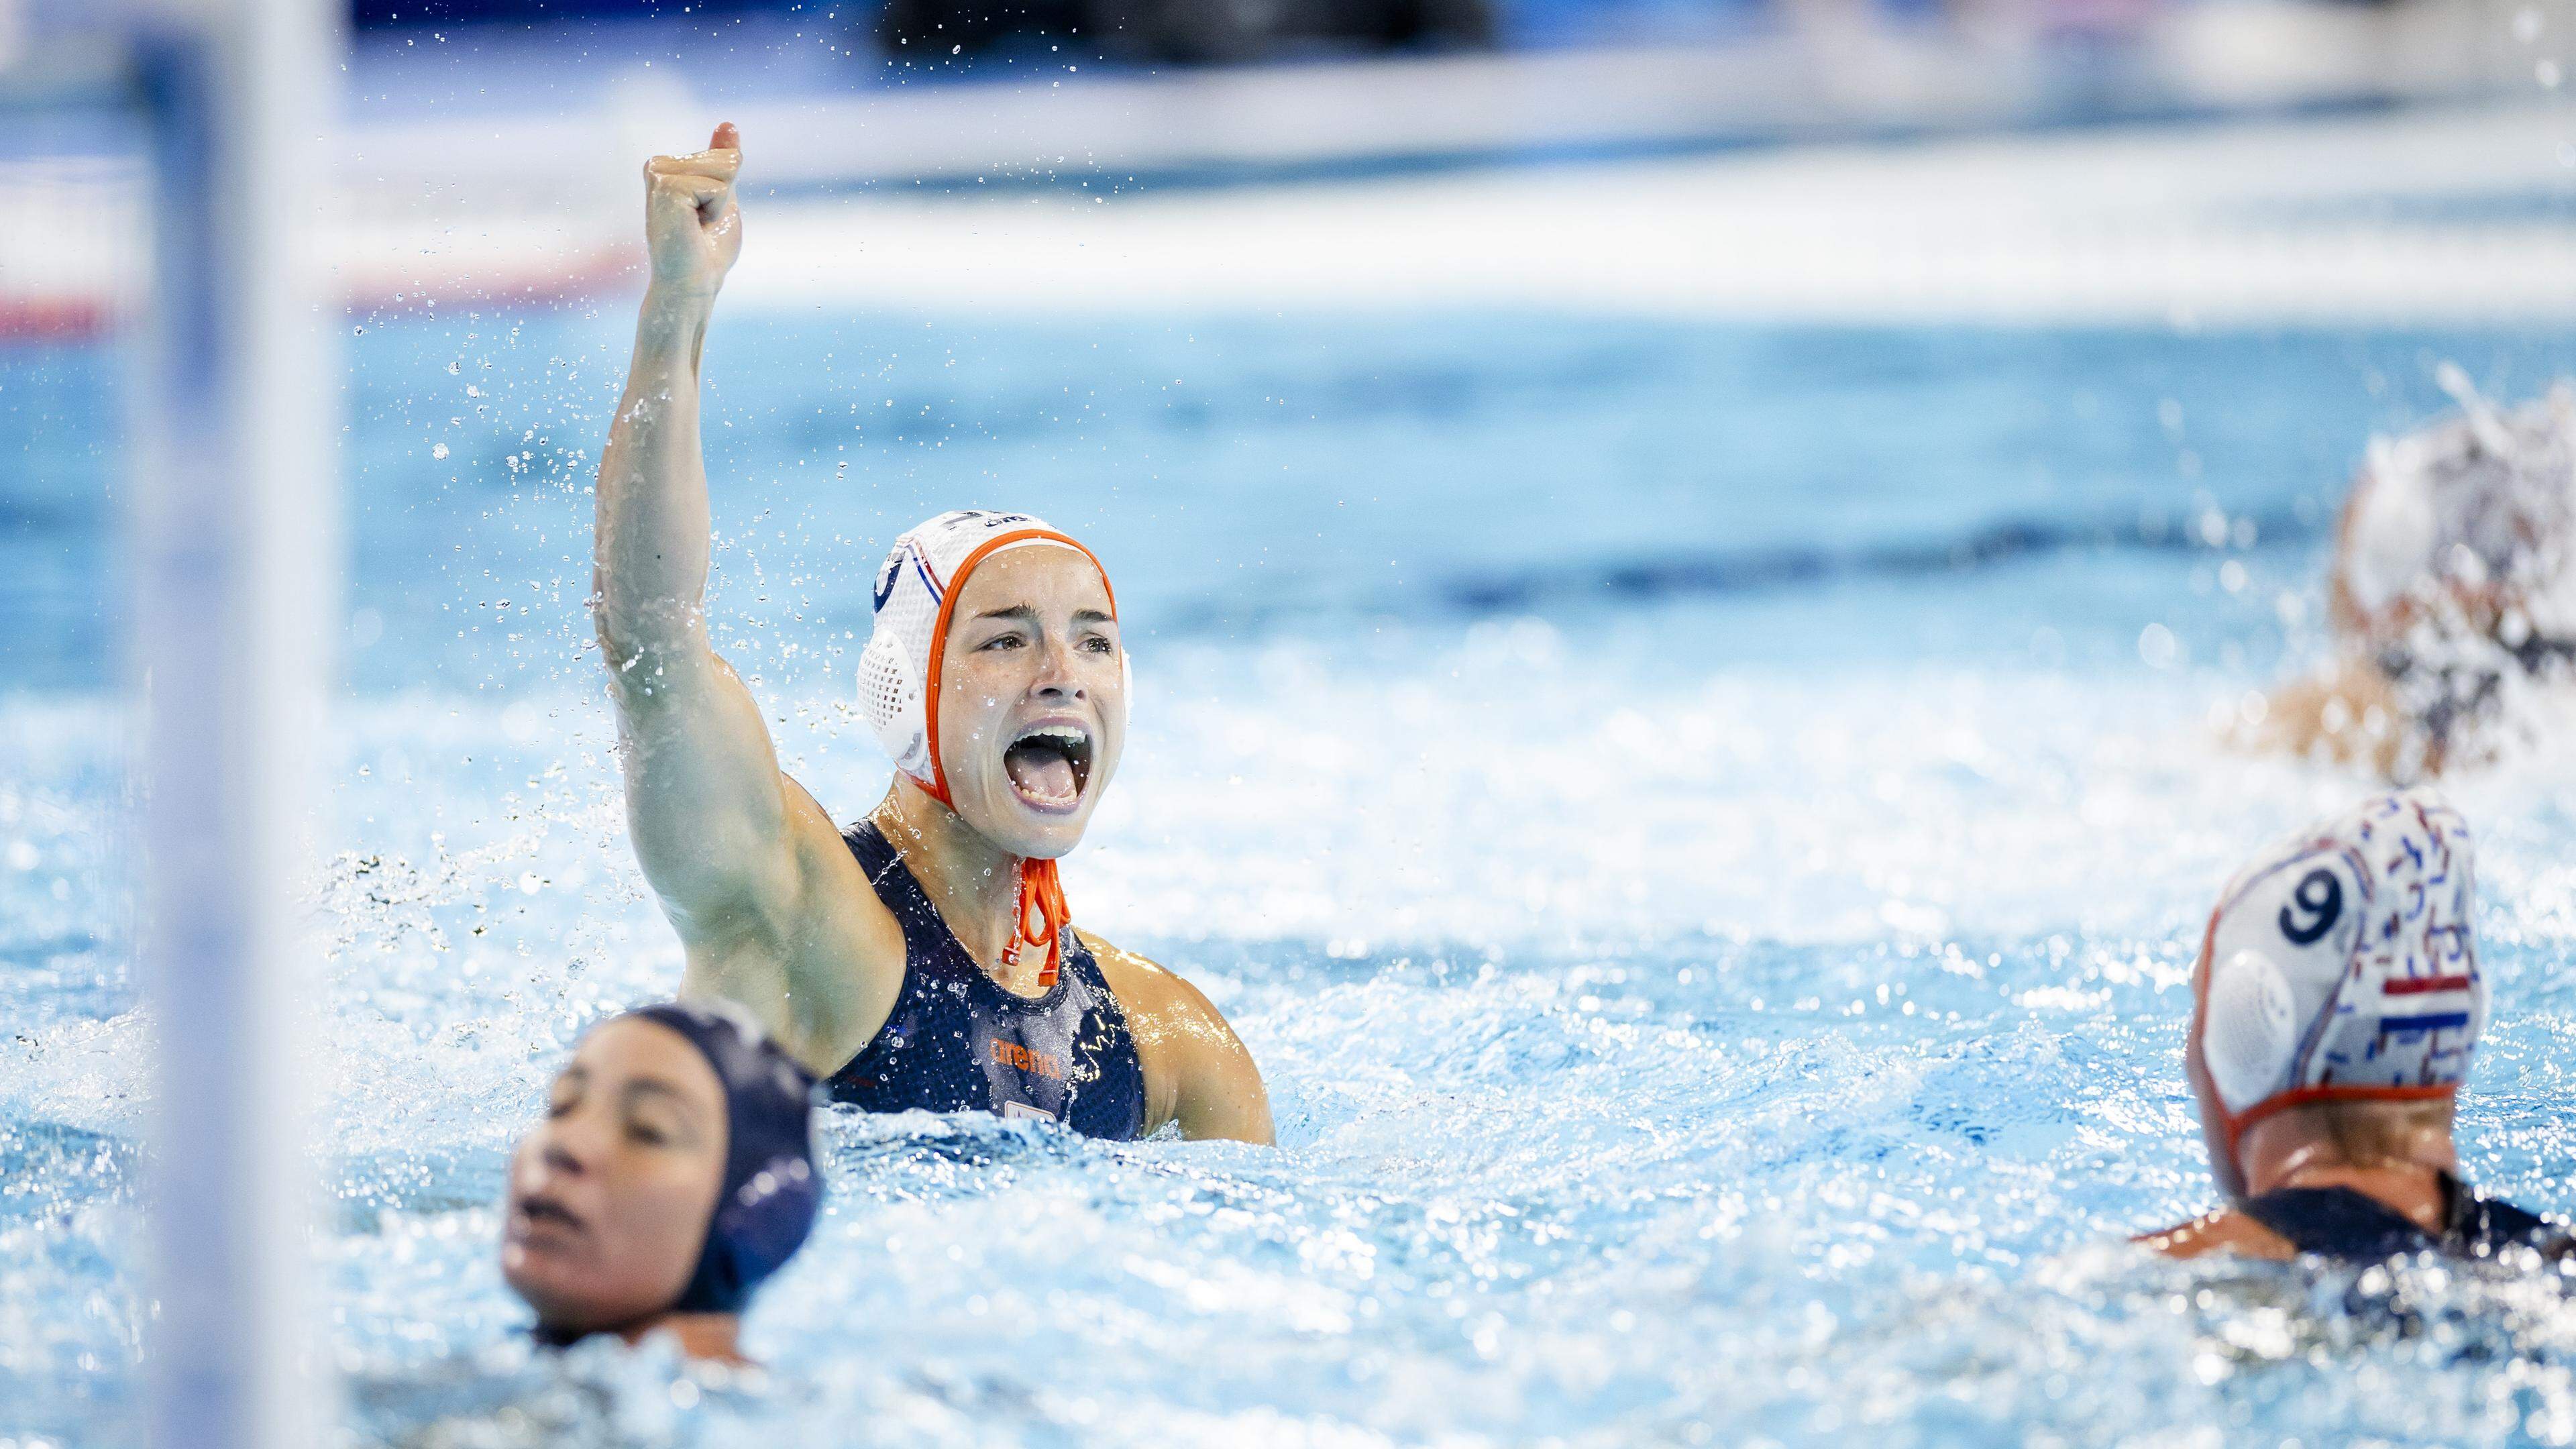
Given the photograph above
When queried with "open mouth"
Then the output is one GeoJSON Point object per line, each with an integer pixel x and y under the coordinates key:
{"type": "Point", "coordinates": [1049, 764]}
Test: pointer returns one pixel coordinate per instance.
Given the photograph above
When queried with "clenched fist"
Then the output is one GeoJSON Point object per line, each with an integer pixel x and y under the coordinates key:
{"type": "Point", "coordinates": [691, 224]}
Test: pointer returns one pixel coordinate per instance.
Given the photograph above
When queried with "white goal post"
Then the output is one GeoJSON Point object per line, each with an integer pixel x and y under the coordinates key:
{"type": "Point", "coordinates": [234, 545]}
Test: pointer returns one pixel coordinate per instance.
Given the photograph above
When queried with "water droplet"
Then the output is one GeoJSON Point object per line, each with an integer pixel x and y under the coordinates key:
{"type": "Point", "coordinates": [438, 450]}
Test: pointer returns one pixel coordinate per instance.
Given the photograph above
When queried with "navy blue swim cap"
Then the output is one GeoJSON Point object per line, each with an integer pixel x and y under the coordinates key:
{"type": "Point", "coordinates": [771, 1192]}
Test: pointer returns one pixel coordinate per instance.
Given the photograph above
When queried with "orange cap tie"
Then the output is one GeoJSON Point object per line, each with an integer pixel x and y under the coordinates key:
{"type": "Point", "coordinates": [1041, 897]}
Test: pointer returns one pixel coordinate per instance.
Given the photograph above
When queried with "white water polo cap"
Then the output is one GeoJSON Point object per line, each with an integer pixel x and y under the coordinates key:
{"type": "Point", "coordinates": [2484, 501]}
{"type": "Point", "coordinates": [915, 590]}
{"type": "Point", "coordinates": [2343, 964]}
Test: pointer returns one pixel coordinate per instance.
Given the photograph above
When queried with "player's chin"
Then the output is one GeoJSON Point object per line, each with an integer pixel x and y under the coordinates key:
{"type": "Point", "coordinates": [1037, 836]}
{"type": "Point", "coordinates": [1035, 829]}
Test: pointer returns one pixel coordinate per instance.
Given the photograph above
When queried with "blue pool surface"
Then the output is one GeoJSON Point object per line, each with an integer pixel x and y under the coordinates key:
{"type": "Point", "coordinates": [1681, 813]}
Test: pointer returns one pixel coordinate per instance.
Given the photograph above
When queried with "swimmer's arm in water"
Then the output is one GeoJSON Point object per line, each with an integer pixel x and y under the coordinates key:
{"type": "Point", "coordinates": [1197, 1072]}
{"type": "Point", "coordinates": [771, 906]}
{"type": "Point", "coordinates": [2223, 1231]}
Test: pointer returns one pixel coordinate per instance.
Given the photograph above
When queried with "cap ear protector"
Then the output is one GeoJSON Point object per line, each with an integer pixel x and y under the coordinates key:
{"type": "Point", "coordinates": [890, 687]}
{"type": "Point", "coordinates": [2252, 1029]}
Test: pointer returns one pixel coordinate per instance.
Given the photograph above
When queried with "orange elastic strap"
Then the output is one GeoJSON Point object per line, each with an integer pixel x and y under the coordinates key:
{"type": "Point", "coordinates": [2306, 1096]}
{"type": "Point", "coordinates": [1042, 887]}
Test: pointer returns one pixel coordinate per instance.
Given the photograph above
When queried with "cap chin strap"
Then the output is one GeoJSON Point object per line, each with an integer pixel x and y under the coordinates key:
{"type": "Point", "coordinates": [1038, 922]}
{"type": "Point", "coordinates": [1038, 914]}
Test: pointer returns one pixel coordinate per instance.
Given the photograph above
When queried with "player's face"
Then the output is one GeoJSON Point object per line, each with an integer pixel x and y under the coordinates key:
{"type": "Point", "coordinates": [1033, 699]}
{"type": "Point", "coordinates": [611, 1194]}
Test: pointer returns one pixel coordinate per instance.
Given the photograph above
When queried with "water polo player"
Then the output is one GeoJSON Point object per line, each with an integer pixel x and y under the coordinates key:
{"type": "Point", "coordinates": [2336, 1004]}
{"type": "Point", "coordinates": [926, 959]}
{"type": "Point", "coordinates": [673, 1173]}
{"type": "Point", "coordinates": [2451, 592]}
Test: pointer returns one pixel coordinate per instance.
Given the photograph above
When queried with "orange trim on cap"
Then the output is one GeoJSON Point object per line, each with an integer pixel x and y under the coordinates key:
{"type": "Point", "coordinates": [2309, 1096]}
{"type": "Point", "coordinates": [2200, 970]}
{"type": "Point", "coordinates": [955, 585]}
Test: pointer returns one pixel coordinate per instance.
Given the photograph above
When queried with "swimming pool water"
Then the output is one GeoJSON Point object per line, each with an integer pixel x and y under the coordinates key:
{"type": "Point", "coordinates": [1703, 828]}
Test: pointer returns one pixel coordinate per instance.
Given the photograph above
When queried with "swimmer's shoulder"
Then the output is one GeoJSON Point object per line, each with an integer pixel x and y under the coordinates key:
{"type": "Point", "coordinates": [1164, 1011]}
{"type": "Point", "coordinates": [1197, 1071]}
{"type": "Point", "coordinates": [820, 960]}
{"type": "Point", "coordinates": [2225, 1230]}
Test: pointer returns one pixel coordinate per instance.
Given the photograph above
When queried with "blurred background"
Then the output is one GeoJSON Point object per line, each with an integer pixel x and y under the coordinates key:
{"type": "Point", "coordinates": [486, 146]}
{"type": "Point", "coordinates": [2171, 164]}
{"type": "Point", "coordinates": [1689, 563]}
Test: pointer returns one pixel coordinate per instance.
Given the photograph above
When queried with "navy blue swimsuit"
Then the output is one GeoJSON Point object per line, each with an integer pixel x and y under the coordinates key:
{"type": "Point", "coordinates": [2337, 1222]}
{"type": "Point", "coordinates": [957, 1042]}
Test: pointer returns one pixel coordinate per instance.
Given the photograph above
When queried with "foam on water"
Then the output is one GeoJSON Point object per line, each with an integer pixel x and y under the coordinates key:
{"type": "Point", "coordinates": [1705, 1017]}
{"type": "Point", "coordinates": [1795, 1137]}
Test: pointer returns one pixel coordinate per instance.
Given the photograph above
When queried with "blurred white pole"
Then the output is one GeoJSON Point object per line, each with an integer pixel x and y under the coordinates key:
{"type": "Point", "coordinates": [237, 564]}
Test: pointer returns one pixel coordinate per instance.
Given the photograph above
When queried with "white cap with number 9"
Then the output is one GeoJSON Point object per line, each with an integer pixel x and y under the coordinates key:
{"type": "Point", "coordinates": [2343, 964]}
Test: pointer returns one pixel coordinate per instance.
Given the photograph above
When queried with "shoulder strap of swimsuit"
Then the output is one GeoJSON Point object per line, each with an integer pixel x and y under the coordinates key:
{"type": "Point", "coordinates": [1081, 962]}
{"type": "Point", "coordinates": [2337, 1222]}
{"type": "Point", "coordinates": [2481, 1225]}
{"type": "Point", "coordinates": [894, 884]}
{"type": "Point", "coordinates": [869, 844]}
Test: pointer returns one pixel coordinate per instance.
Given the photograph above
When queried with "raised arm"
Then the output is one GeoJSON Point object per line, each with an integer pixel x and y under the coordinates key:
{"type": "Point", "coordinates": [749, 869]}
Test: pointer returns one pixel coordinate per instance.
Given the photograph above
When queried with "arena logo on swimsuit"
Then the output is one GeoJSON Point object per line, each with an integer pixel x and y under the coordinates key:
{"type": "Point", "coordinates": [1045, 1064]}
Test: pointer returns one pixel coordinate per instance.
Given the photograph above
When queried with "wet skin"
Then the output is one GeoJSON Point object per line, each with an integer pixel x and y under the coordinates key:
{"type": "Point", "coordinates": [752, 871]}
